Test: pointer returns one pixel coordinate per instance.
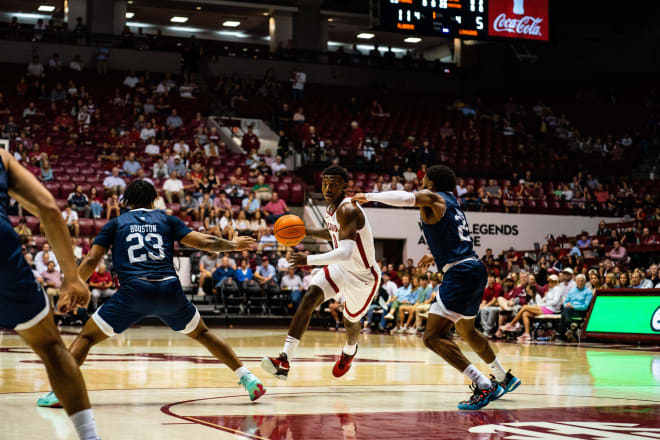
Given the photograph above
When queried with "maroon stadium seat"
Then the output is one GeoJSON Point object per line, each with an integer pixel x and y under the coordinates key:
{"type": "Point", "coordinates": [283, 191]}
{"type": "Point", "coordinates": [54, 188]}
{"type": "Point", "coordinates": [33, 223]}
{"type": "Point", "coordinates": [66, 189]}
{"type": "Point", "coordinates": [98, 225]}
{"type": "Point", "coordinates": [86, 226]}
{"type": "Point", "coordinates": [175, 207]}
{"type": "Point", "coordinates": [297, 195]}
{"type": "Point", "coordinates": [14, 220]}
{"type": "Point", "coordinates": [61, 204]}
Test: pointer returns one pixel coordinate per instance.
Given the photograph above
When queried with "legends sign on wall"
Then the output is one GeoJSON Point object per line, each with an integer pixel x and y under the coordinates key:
{"type": "Point", "coordinates": [497, 231]}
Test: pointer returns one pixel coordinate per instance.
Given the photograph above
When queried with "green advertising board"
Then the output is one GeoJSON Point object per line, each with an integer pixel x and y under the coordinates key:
{"type": "Point", "coordinates": [628, 313]}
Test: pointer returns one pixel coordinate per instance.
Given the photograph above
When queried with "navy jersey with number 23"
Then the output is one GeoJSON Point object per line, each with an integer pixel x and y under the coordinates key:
{"type": "Point", "coordinates": [449, 239]}
{"type": "Point", "coordinates": [142, 243]}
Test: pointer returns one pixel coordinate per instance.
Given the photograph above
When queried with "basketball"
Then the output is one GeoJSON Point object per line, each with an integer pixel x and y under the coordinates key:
{"type": "Point", "coordinates": [289, 230]}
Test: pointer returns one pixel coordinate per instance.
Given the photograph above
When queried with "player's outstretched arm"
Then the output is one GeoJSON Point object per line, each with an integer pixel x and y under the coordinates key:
{"type": "Point", "coordinates": [321, 233]}
{"type": "Point", "coordinates": [25, 188]}
{"type": "Point", "coordinates": [417, 199]}
{"type": "Point", "coordinates": [91, 260]}
{"type": "Point", "coordinates": [211, 243]}
{"type": "Point", "coordinates": [350, 220]}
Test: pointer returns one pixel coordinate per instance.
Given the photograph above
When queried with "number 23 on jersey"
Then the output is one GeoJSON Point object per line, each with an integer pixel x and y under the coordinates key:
{"type": "Point", "coordinates": [145, 246]}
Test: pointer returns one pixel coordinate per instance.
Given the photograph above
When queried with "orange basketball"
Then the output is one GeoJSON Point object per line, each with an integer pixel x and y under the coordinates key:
{"type": "Point", "coordinates": [289, 230]}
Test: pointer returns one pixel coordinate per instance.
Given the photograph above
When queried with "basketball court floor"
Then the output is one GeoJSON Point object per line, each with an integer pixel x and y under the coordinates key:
{"type": "Point", "coordinates": [151, 383]}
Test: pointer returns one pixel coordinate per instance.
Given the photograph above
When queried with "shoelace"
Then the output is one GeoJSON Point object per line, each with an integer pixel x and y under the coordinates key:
{"type": "Point", "coordinates": [477, 393]}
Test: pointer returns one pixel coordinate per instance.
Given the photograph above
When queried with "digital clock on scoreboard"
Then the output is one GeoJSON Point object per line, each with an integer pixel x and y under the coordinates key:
{"type": "Point", "coordinates": [450, 18]}
{"type": "Point", "coordinates": [478, 19]}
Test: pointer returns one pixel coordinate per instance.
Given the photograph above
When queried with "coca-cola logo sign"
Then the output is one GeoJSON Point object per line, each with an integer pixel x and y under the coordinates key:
{"type": "Point", "coordinates": [526, 19]}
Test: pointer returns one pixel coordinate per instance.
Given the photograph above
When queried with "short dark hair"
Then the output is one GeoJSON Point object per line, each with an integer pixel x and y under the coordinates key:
{"type": "Point", "coordinates": [140, 194]}
{"type": "Point", "coordinates": [334, 170]}
{"type": "Point", "coordinates": [443, 178]}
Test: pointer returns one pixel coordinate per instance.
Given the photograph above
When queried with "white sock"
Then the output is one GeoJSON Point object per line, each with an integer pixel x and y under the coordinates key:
{"type": "Point", "coordinates": [241, 371]}
{"type": "Point", "coordinates": [477, 377]}
{"type": "Point", "coordinates": [290, 345]}
{"type": "Point", "coordinates": [350, 349]}
{"type": "Point", "coordinates": [498, 370]}
{"type": "Point", "coordinates": [85, 424]}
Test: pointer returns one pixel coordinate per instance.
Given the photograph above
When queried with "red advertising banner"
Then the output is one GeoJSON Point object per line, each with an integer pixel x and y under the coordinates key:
{"type": "Point", "coordinates": [526, 19]}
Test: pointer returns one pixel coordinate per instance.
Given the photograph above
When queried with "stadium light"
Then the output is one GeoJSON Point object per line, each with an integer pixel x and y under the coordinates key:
{"type": "Point", "coordinates": [365, 36]}
{"type": "Point", "coordinates": [231, 23]}
{"type": "Point", "coordinates": [412, 40]}
{"type": "Point", "coordinates": [179, 19]}
{"type": "Point", "coordinates": [130, 14]}
{"type": "Point", "coordinates": [46, 8]}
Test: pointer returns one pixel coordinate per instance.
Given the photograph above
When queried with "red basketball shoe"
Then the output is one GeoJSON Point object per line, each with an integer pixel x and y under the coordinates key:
{"type": "Point", "coordinates": [343, 364]}
{"type": "Point", "coordinates": [278, 367]}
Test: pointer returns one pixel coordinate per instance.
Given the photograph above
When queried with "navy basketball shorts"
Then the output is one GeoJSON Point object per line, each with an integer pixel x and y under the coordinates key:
{"type": "Point", "coordinates": [137, 299]}
{"type": "Point", "coordinates": [461, 291]}
{"type": "Point", "coordinates": [22, 305]}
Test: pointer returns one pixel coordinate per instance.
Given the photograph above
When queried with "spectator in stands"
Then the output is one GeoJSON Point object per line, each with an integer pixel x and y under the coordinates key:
{"type": "Point", "coordinates": [79, 202]}
{"type": "Point", "coordinates": [447, 132]}
{"type": "Point", "coordinates": [276, 208]}
{"type": "Point", "coordinates": [131, 166]}
{"type": "Point", "coordinates": [357, 137]}
{"type": "Point", "coordinates": [52, 281]}
{"type": "Point", "coordinates": [190, 206]}
{"type": "Point", "coordinates": [643, 283]}
{"type": "Point", "coordinates": [23, 230]}
{"type": "Point", "coordinates": [226, 225]}
{"type": "Point", "coordinates": [278, 167]}
{"type": "Point", "coordinates": [283, 263]}
{"type": "Point", "coordinates": [624, 280]}
{"type": "Point", "coordinates": [114, 183]}
{"type": "Point", "coordinates": [257, 225]}
{"type": "Point", "coordinates": [293, 284]}
{"type": "Point", "coordinates": [575, 306]}
{"type": "Point", "coordinates": [403, 296]}
{"type": "Point", "coordinates": [112, 207]}
{"type": "Point", "coordinates": [618, 254]}
{"type": "Point", "coordinates": [148, 133]}
{"type": "Point", "coordinates": [584, 241]}
{"type": "Point", "coordinates": [420, 296]}
{"type": "Point", "coordinates": [76, 63]}
{"type": "Point", "coordinates": [100, 284]}
{"type": "Point", "coordinates": [244, 273]}
{"type": "Point", "coordinates": [71, 219]}
{"type": "Point", "coordinates": [222, 272]}
{"type": "Point", "coordinates": [250, 140]}
{"type": "Point", "coordinates": [177, 166]}
{"type": "Point", "coordinates": [461, 189]}
{"type": "Point", "coordinates": [58, 93]}
{"type": "Point", "coordinates": [131, 80]}
{"type": "Point", "coordinates": [262, 191]}
{"type": "Point", "coordinates": [489, 309]}
{"type": "Point", "coordinates": [159, 169]}
{"type": "Point", "coordinates": [267, 242]}
{"type": "Point", "coordinates": [265, 272]}
{"type": "Point", "coordinates": [46, 171]}
{"type": "Point", "coordinates": [549, 304]}
{"type": "Point", "coordinates": [54, 63]}
{"type": "Point", "coordinates": [95, 202]}
{"type": "Point", "coordinates": [41, 262]}
{"type": "Point", "coordinates": [648, 239]}
{"type": "Point", "coordinates": [207, 264]}
{"type": "Point", "coordinates": [298, 80]}
{"type": "Point", "coordinates": [654, 274]}
{"type": "Point", "coordinates": [174, 120]}
{"type": "Point", "coordinates": [393, 185]}
{"type": "Point", "coordinates": [471, 199]}
{"type": "Point", "coordinates": [493, 189]}
{"type": "Point", "coordinates": [35, 69]}
{"type": "Point", "coordinates": [173, 186]}
{"type": "Point", "coordinates": [221, 202]}
{"type": "Point", "coordinates": [233, 189]}
{"type": "Point", "coordinates": [241, 224]}
{"type": "Point", "coordinates": [152, 148]}
{"type": "Point", "coordinates": [251, 204]}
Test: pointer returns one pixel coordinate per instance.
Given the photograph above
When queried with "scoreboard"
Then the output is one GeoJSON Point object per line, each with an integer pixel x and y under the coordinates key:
{"type": "Point", "coordinates": [477, 19]}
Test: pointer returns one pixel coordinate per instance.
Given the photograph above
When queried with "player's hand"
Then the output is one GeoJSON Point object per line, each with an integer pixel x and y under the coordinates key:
{"type": "Point", "coordinates": [73, 294]}
{"type": "Point", "coordinates": [360, 198]}
{"type": "Point", "coordinates": [298, 259]}
{"type": "Point", "coordinates": [426, 261]}
{"type": "Point", "coordinates": [244, 243]}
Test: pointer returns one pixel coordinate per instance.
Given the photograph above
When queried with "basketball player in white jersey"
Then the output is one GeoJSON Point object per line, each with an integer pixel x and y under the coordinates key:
{"type": "Point", "coordinates": [350, 268]}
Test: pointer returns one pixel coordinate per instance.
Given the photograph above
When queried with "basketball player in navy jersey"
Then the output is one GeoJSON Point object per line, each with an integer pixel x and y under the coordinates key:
{"type": "Point", "coordinates": [24, 306]}
{"type": "Point", "coordinates": [464, 279]}
{"type": "Point", "coordinates": [142, 242]}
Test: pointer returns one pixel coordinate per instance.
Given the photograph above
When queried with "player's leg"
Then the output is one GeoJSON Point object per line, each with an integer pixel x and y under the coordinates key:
{"type": "Point", "coordinates": [90, 335]}
{"type": "Point", "coordinates": [325, 285]}
{"type": "Point", "coordinates": [223, 352]}
{"type": "Point", "coordinates": [63, 374]}
{"type": "Point", "coordinates": [356, 306]}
